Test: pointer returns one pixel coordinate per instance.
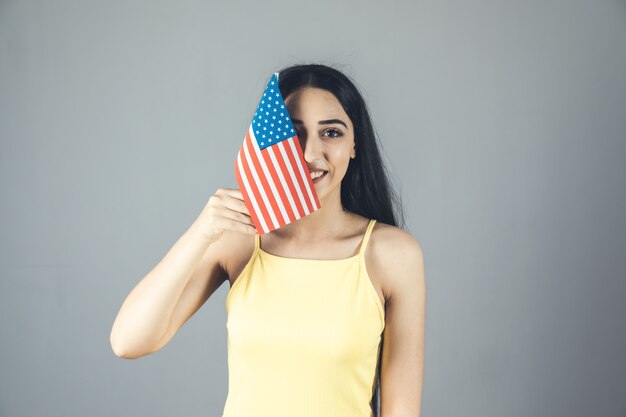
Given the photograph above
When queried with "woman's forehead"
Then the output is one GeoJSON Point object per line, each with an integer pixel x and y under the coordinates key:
{"type": "Point", "coordinates": [319, 102]}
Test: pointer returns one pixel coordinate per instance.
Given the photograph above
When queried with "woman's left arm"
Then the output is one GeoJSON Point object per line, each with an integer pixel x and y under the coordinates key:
{"type": "Point", "coordinates": [402, 366]}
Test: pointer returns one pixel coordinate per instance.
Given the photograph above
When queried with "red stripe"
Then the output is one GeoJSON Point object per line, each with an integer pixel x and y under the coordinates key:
{"type": "Point", "coordinates": [282, 193]}
{"type": "Point", "coordinates": [308, 174]}
{"type": "Point", "coordinates": [294, 163]}
{"type": "Point", "coordinates": [290, 184]}
{"type": "Point", "coordinates": [264, 185]}
{"type": "Point", "coordinates": [246, 197]}
{"type": "Point", "coordinates": [262, 212]}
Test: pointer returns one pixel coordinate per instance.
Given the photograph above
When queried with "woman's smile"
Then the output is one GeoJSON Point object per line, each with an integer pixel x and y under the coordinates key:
{"type": "Point", "coordinates": [317, 176]}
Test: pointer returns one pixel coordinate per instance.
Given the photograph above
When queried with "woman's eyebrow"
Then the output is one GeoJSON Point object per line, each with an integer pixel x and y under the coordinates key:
{"type": "Point", "coordinates": [322, 122]}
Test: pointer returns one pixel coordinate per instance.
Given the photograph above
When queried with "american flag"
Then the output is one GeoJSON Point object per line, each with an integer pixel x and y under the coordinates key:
{"type": "Point", "coordinates": [272, 174]}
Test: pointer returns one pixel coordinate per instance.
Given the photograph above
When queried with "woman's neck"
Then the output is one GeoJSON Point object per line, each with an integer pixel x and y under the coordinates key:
{"type": "Point", "coordinates": [329, 221]}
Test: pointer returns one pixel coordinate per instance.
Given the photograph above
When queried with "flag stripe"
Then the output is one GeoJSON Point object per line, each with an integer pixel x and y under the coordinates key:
{"type": "Point", "coordinates": [261, 183]}
{"type": "Point", "coordinates": [276, 197]}
{"type": "Point", "coordinates": [257, 191]}
{"type": "Point", "coordinates": [283, 162]}
{"type": "Point", "coordinates": [248, 194]}
{"type": "Point", "coordinates": [279, 178]}
{"type": "Point", "coordinates": [306, 176]}
{"type": "Point", "coordinates": [297, 175]}
{"type": "Point", "coordinates": [290, 164]}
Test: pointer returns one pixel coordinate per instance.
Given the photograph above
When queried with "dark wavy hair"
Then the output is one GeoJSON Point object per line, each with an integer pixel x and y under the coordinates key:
{"type": "Point", "coordinates": [365, 188]}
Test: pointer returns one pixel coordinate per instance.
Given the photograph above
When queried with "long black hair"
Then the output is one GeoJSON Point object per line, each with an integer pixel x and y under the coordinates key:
{"type": "Point", "coordinates": [365, 188]}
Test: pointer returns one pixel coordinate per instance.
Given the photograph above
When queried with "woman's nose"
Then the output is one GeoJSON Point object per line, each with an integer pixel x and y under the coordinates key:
{"type": "Point", "coordinates": [311, 148]}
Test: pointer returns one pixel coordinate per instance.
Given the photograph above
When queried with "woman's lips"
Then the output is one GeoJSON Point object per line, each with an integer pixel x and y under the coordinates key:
{"type": "Point", "coordinates": [318, 179]}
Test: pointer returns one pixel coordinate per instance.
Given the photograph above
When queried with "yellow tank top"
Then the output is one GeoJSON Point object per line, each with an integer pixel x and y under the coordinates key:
{"type": "Point", "coordinates": [304, 337]}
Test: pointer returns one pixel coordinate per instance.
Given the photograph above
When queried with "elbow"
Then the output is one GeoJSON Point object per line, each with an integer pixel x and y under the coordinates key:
{"type": "Point", "coordinates": [119, 350]}
{"type": "Point", "coordinates": [125, 350]}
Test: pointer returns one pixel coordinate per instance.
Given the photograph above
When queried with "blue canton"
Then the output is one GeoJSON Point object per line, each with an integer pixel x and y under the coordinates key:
{"type": "Point", "coordinates": [271, 122]}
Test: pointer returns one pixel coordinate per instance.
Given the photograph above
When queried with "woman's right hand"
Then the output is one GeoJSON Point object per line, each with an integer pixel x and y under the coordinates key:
{"type": "Point", "coordinates": [225, 210]}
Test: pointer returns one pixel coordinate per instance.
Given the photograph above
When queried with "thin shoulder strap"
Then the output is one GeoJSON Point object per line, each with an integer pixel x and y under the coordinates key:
{"type": "Point", "coordinates": [257, 242]}
{"type": "Point", "coordinates": [366, 237]}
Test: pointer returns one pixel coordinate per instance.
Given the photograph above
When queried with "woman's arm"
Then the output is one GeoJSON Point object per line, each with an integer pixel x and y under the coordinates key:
{"type": "Point", "coordinates": [402, 364]}
{"type": "Point", "coordinates": [168, 295]}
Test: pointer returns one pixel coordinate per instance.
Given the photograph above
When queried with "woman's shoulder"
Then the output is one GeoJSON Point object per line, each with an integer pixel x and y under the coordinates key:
{"type": "Point", "coordinates": [389, 238]}
{"type": "Point", "coordinates": [390, 251]}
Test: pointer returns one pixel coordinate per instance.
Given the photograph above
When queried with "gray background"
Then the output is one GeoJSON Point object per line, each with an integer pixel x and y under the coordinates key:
{"type": "Point", "coordinates": [504, 126]}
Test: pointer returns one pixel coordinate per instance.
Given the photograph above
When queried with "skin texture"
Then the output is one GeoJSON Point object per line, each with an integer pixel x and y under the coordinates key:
{"type": "Point", "coordinates": [394, 259]}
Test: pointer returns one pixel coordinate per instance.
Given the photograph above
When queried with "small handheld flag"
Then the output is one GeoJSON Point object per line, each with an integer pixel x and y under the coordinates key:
{"type": "Point", "coordinates": [272, 174]}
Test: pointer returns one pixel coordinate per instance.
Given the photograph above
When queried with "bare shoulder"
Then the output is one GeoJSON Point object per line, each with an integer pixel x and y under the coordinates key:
{"type": "Point", "coordinates": [393, 239]}
{"type": "Point", "coordinates": [394, 258]}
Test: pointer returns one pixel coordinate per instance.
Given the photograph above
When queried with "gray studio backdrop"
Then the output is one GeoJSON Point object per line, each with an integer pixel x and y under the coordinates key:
{"type": "Point", "coordinates": [504, 126]}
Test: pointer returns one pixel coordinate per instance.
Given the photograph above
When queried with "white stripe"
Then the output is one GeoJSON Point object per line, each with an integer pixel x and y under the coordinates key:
{"type": "Point", "coordinates": [269, 178]}
{"type": "Point", "coordinates": [260, 184]}
{"type": "Point", "coordinates": [303, 175]}
{"type": "Point", "coordinates": [279, 171]}
{"type": "Point", "coordinates": [250, 193]}
{"type": "Point", "coordinates": [292, 174]}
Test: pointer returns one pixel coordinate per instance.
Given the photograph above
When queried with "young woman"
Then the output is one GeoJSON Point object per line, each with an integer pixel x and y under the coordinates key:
{"type": "Point", "coordinates": [311, 303]}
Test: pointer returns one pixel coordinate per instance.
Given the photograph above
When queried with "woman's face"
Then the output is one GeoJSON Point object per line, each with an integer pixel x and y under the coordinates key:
{"type": "Point", "coordinates": [325, 133]}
